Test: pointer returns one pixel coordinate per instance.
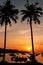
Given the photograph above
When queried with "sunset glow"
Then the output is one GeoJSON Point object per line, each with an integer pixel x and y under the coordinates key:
{"type": "Point", "coordinates": [24, 40]}
{"type": "Point", "coordinates": [19, 36]}
{"type": "Point", "coordinates": [29, 49]}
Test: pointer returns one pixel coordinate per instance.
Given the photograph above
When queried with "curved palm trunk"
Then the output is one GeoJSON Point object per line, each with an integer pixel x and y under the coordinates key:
{"type": "Point", "coordinates": [32, 38]}
{"type": "Point", "coordinates": [4, 42]}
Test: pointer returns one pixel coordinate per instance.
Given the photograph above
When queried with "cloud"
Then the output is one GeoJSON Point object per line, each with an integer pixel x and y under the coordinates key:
{"type": "Point", "coordinates": [23, 31]}
{"type": "Point", "coordinates": [2, 28]}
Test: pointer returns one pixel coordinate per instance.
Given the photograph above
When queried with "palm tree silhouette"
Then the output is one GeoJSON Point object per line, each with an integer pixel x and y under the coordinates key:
{"type": "Point", "coordinates": [7, 12]}
{"type": "Point", "coordinates": [32, 12]}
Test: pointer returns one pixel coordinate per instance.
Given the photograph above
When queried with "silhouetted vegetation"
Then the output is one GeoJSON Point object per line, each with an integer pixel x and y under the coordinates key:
{"type": "Point", "coordinates": [7, 12]}
{"type": "Point", "coordinates": [12, 51]}
{"type": "Point", "coordinates": [42, 54]}
{"type": "Point", "coordinates": [27, 63]}
{"type": "Point", "coordinates": [32, 12]}
{"type": "Point", "coordinates": [20, 59]}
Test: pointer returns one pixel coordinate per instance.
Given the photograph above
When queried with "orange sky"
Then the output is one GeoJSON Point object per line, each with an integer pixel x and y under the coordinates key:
{"type": "Point", "coordinates": [18, 36]}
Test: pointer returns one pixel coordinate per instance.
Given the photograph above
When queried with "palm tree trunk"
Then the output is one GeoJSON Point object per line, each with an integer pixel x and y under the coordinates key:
{"type": "Point", "coordinates": [32, 38]}
{"type": "Point", "coordinates": [4, 42]}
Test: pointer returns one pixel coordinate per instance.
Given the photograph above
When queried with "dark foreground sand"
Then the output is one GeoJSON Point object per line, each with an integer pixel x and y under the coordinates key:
{"type": "Point", "coordinates": [27, 63]}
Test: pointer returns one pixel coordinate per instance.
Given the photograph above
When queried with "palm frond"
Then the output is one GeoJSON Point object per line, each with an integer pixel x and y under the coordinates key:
{"type": "Point", "coordinates": [24, 17]}
{"type": "Point", "coordinates": [36, 3]}
{"type": "Point", "coordinates": [13, 19]}
{"type": "Point", "coordinates": [10, 22]}
{"type": "Point", "coordinates": [32, 11]}
{"type": "Point", "coordinates": [24, 12]}
{"type": "Point", "coordinates": [1, 7]}
{"type": "Point", "coordinates": [27, 6]}
{"type": "Point", "coordinates": [39, 8]}
{"type": "Point", "coordinates": [16, 17]}
{"type": "Point", "coordinates": [2, 21]}
{"type": "Point", "coordinates": [38, 15]}
{"type": "Point", "coordinates": [41, 13]}
{"type": "Point", "coordinates": [16, 11]}
{"type": "Point", "coordinates": [8, 10]}
{"type": "Point", "coordinates": [36, 20]}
